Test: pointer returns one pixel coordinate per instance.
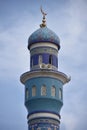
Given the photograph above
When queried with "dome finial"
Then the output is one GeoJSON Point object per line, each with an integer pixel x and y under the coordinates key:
{"type": "Point", "coordinates": [44, 19]}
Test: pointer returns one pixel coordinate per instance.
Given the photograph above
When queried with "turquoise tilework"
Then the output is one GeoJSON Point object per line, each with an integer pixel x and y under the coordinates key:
{"type": "Point", "coordinates": [44, 35]}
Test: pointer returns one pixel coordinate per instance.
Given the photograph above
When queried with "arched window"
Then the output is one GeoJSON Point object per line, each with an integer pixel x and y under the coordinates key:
{"type": "Point", "coordinates": [40, 59]}
{"type": "Point", "coordinates": [60, 94]}
{"type": "Point", "coordinates": [43, 90]}
{"type": "Point", "coordinates": [34, 90]}
{"type": "Point", "coordinates": [53, 91]}
{"type": "Point", "coordinates": [50, 59]}
{"type": "Point", "coordinates": [26, 93]}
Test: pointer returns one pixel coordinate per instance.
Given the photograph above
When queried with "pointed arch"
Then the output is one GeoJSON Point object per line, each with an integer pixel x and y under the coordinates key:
{"type": "Point", "coordinates": [43, 90]}
{"type": "Point", "coordinates": [33, 90]}
{"type": "Point", "coordinates": [60, 94]}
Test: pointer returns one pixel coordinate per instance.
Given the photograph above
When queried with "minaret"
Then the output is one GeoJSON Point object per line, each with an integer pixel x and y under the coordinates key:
{"type": "Point", "coordinates": [44, 82]}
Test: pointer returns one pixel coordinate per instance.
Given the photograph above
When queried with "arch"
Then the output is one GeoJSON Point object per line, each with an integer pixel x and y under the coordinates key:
{"type": "Point", "coordinates": [43, 90]}
{"type": "Point", "coordinates": [53, 91]}
{"type": "Point", "coordinates": [60, 94]}
{"type": "Point", "coordinates": [33, 90]}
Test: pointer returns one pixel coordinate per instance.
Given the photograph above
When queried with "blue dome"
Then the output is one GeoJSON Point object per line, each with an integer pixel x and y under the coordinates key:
{"type": "Point", "coordinates": [43, 34]}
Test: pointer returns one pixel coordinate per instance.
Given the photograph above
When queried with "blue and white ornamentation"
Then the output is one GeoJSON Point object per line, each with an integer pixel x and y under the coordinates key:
{"type": "Point", "coordinates": [44, 83]}
{"type": "Point", "coordinates": [44, 35]}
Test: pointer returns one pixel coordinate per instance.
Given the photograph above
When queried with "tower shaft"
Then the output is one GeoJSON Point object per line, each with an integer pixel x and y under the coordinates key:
{"type": "Point", "coordinates": [44, 83]}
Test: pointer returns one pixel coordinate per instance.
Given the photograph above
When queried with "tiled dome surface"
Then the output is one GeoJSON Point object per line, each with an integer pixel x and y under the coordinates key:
{"type": "Point", "coordinates": [43, 34]}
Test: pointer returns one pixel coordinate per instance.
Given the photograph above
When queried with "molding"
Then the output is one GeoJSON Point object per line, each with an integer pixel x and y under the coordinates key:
{"type": "Point", "coordinates": [51, 123]}
{"type": "Point", "coordinates": [43, 44]}
{"type": "Point", "coordinates": [34, 67]}
{"type": "Point", "coordinates": [44, 49]}
{"type": "Point", "coordinates": [45, 73]}
{"type": "Point", "coordinates": [43, 115]}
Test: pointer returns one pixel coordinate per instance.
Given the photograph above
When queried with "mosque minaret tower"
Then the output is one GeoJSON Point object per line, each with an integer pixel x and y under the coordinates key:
{"type": "Point", "coordinates": [44, 82]}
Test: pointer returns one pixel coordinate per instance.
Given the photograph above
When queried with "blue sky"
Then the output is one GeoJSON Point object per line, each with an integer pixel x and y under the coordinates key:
{"type": "Point", "coordinates": [18, 19]}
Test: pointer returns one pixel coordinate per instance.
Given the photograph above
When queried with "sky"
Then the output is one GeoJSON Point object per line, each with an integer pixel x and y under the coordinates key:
{"type": "Point", "coordinates": [18, 19]}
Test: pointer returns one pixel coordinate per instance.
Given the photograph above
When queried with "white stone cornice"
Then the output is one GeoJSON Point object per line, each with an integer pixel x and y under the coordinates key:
{"type": "Point", "coordinates": [41, 114]}
{"type": "Point", "coordinates": [44, 73]}
{"type": "Point", "coordinates": [45, 44]}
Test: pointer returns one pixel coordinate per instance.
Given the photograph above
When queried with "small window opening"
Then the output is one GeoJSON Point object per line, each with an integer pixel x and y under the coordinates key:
{"type": "Point", "coordinates": [43, 90]}
{"type": "Point", "coordinates": [34, 90]}
{"type": "Point", "coordinates": [60, 94]}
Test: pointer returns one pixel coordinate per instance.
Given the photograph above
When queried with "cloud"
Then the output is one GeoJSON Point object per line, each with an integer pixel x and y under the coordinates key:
{"type": "Point", "coordinates": [72, 60]}
{"type": "Point", "coordinates": [69, 21]}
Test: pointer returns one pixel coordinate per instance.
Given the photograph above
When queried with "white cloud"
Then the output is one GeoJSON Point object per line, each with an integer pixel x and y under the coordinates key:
{"type": "Point", "coordinates": [72, 59]}
{"type": "Point", "coordinates": [71, 26]}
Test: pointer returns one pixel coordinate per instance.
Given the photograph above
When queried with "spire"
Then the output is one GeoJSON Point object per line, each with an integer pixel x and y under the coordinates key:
{"type": "Point", "coordinates": [44, 19]}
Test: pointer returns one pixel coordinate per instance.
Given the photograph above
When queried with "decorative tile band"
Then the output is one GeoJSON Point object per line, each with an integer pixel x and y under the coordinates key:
{"type": "Point", "coordinates": [39, 115]}
{"type": "Point", "coordinates": [43, 44]}
{"type": "Point", "coordinates": [52, 122]}
{"type": "Point", "coordinates": [42, 50]}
